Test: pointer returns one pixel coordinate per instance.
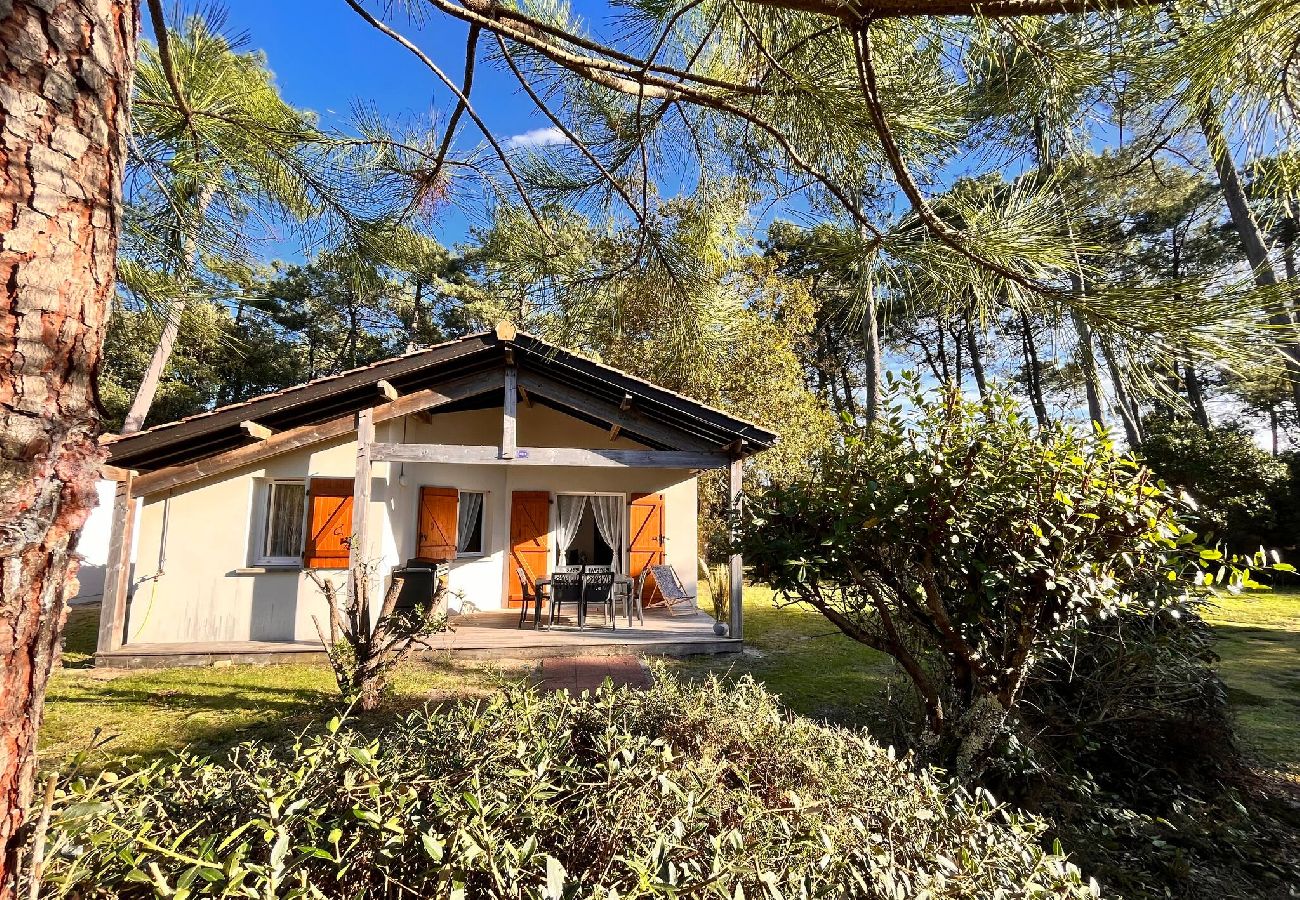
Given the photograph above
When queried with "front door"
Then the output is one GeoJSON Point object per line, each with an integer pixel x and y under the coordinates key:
{"type": "Point", "coordinates": [646, 548]}
{"type": "Point", "coordinates": [530, 527]}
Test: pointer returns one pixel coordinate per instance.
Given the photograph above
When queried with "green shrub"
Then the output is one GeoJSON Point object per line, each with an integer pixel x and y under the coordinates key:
{"type": "Point", "coordinates": [969, 546]}
{"type": "Point", "coordinates": [1234, 482]}
{"type": "Point", "coordinates": [702, 791]}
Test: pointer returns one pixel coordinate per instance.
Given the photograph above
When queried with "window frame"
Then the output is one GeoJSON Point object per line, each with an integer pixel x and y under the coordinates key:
{"type": "Point", "coordinates": [482, 524]}
{"type": "Point", "coordinates": [260, 555]}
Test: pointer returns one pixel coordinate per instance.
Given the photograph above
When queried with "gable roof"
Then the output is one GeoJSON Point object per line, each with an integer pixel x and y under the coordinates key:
{"type": "Point", "coordinates": [673, 421]}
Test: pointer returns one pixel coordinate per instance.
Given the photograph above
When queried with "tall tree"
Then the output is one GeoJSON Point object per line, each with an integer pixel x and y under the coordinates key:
{"type": "Point", "coordinates": [65, 87]}
{"type": "Point", "coordinates": [213, 143]}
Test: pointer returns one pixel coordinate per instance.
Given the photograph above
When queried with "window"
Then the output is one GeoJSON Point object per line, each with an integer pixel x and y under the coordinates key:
{"type": "Point", "coordinates": [282, 535]}
{"type": "Point", "coordinates": [469, 524]}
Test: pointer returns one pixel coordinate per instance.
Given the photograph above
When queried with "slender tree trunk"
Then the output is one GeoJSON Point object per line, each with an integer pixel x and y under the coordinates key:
{"type": "Point", "coordinates": [1252, 237]}
{"type": "Point", "coordinates": [976, 363]}
{"type": "Point", "coordinates": [1087, 358]}
{"type": "Point", "coordinates": [162, 351]}
{"type": "Point", "coordinates": [871, 353]}
{"type": "Point", "coordinates": [1195, 396]}
{"type": "Point", "coordinates": [1129, 414]}
{"type": "Point", "coordinates": [1033, 372]}
{"type": "Point", "coordinates": [941, 353]}
{"type": "Point", "coordinates": [65, 78]}
{"type": "Point", "coordinates": [870, 336]}
{"type": "Point", "coordinates": [1272, 425]}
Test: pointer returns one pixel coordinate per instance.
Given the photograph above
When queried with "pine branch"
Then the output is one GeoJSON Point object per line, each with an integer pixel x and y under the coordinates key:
{"type": "Point", "coordinates": [469, 108]}
{"type": "Point", "coordinates": [471, 47]}
{"type": "Point", "coordinates": [572, 138]}
{"type": "Point", "coordinates": [163, 38]}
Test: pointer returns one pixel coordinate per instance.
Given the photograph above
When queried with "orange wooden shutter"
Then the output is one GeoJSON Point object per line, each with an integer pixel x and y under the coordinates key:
{"type": "Point", "coordinates": [530, 528]}
{"type": "Point", "coordinates": [329, 528]}
{"type": "Point", "coordinates": [646, 548]}
{"type": "Point", "coordinates": [439, 509]}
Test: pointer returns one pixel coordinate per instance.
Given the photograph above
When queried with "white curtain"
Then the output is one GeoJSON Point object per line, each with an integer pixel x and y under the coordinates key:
{"type": "Point", "coordinates": [609, 521]}
{"type": "Point", "coordinates": [571, 507]}
{"type": "Point", "coordinates": [470, 505]}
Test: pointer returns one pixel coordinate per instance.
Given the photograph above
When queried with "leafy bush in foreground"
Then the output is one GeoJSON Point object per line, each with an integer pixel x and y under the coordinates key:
{"type": "Point", "coordinates": [706, 791]}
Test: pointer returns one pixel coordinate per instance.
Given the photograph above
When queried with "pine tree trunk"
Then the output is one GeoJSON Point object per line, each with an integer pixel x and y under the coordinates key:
{"type": "Point", "coordinates": [65, 78]}
{"type": "Point", "coordinates": [1248, 230]}
{"type": "Point", "coordinates": [1033, 372]}
{"type": "Point", "coordinates": [976, 362]}
{"type": "Point", "coordinates": [148, 389]}
{"type": "Point", "coordinates": [871, 352]}
{"type": "Point", "coordinates": [162, 351]}
{"type": "Point", "coordinates": [1195, 396]}
{"type": "Point", "coordinates": [1087, 359]}
{"type": "Point", "coordinates": [1129, 413]}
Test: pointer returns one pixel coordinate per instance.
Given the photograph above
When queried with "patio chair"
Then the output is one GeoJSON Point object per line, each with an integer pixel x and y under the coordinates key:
{"type": "Point", "coordinates": [532, 597]}
{"type": "Point", "coordinates": [678, 601]}
{"type": "Point", "coordinates": [566, 587]}
{"type": "Point", "coordinates": [597, 588]}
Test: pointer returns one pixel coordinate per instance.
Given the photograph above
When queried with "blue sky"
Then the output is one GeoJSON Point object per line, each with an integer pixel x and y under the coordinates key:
{"type": "Point", "coordinates": [327, 59]}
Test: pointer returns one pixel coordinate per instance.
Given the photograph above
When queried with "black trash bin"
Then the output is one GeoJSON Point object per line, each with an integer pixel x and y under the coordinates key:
{"type": "Point", "coordinates": [419, 583]}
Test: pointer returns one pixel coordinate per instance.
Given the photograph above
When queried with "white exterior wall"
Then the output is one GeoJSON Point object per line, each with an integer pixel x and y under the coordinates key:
{"type": "Point", "coordinates": [199, 585]}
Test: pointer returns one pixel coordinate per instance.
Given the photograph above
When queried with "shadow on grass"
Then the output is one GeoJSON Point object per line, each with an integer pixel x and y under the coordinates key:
{"type": "Point", "coordinates": [80, 635]}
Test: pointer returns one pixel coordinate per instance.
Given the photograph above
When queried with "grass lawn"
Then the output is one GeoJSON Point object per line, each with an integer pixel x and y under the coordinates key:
{"type": "Point", "coordinates": [149, 712]}
{"type": "Point", "coordinates": [822, 674]}
{"type": "Point", "coordinates": [1259, 648]}
{"type": "Point", "coordinates": [796, 653]}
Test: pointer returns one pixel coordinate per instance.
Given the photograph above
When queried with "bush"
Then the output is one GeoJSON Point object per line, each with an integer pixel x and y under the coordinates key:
{"type": "Point", "coordinates": [969, 546]}
{"type": "Point", "coordinates": [1234, 482]}
{"type": "Point", "coordinates": [706, 791]}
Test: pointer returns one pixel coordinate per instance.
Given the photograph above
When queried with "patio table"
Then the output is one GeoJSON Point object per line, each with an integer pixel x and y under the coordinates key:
{"type": "Point", "coordinates": [622, 584]}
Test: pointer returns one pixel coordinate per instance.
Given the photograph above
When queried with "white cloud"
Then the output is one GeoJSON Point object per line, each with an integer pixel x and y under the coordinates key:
{"type": "Point", "coordinates": [538, 137]}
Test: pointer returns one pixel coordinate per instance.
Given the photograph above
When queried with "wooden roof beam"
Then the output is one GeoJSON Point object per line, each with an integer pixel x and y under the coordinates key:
{"type": "Point", "coordinates": [635, 425]}
{"type": "Point", "coordinates": [386, 390]}
{"type": "Point", "coordinates": [255, 430]}
{"type": "Point", "coordinates": [307, 435]}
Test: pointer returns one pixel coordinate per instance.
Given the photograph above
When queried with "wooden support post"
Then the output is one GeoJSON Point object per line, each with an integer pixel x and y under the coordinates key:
{"type": "Point", "coordinates": [510, 413]}
{"type": "Point", "coordinates": [737, 569]}
{"type": "Point", "coordinates": [359, 548]}
{"type": "Point", "coordinates": [613, 432]}
{"type": "Point", "coordinates": [117, 571]}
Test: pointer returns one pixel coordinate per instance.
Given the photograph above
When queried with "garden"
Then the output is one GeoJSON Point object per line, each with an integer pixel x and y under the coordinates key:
{"type": "Point", "coordinates": [1138, 735]}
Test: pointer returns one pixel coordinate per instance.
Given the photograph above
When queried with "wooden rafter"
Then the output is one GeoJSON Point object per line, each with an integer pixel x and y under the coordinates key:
{"type": "Point", "coordinates": [256, 431]}
{"type": "Point", "coordinates": [549, 456]}
{"type": "Point", "coordinates": [307, 435]}
{"type": "Point", "coordinates": [629, 420]}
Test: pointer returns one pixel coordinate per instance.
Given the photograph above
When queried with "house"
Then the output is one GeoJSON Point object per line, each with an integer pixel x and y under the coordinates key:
{"type": "Point", "coordinates": [494, 452]}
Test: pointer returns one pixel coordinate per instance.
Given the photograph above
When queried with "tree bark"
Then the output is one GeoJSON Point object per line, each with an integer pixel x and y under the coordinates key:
{"type": "Point", "coordinates": [65, 88]}
{"type": "Point", "coordinates": [1195, 396]}
{"type": "Point", "coordinates": [1088, 362]}
{"type": "Point", "coordinates": [142, 402]}
{"type": "Point", "coordinates": [162, 351]}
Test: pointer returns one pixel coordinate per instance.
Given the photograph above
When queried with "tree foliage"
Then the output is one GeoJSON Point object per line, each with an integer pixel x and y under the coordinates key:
{"type": "Point", "coordinates": [970, 547]}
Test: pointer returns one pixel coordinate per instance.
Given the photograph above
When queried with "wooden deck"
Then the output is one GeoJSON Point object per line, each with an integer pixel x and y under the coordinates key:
{"type": "Point", "coordinates": [484, 635]}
